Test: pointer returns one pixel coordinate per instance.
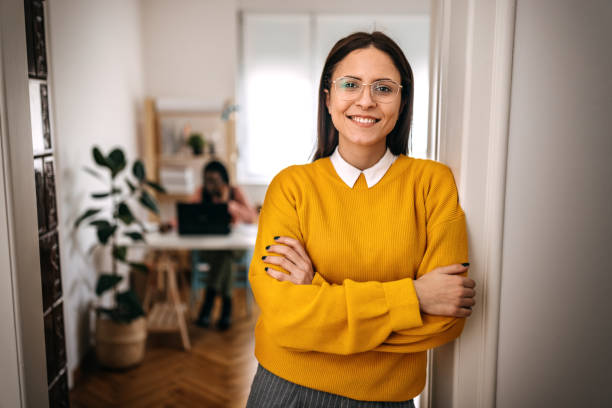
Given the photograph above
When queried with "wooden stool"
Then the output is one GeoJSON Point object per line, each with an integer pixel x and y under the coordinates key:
{"type": "Point", "coordinates": [169, 314]}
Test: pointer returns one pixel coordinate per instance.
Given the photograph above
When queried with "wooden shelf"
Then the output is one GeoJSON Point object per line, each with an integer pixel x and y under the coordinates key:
{"type": "Point", "coordinates": [163, 317]}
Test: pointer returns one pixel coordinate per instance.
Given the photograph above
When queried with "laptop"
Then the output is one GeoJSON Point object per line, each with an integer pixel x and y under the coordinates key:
{"type": "Point", "coordinates": [202, 219]}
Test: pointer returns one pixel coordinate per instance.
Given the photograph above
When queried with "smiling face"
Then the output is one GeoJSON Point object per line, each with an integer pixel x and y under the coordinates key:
{"type": "Point", "coordinates": [362, 122]}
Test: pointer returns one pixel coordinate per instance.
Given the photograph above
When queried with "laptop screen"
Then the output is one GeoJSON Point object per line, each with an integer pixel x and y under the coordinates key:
{"type": "Point", "coordinates": [202, 219]}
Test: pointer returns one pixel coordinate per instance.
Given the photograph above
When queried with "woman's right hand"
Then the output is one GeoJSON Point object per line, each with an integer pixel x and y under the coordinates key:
{"type": "Point", "coordinates": [443, 292]}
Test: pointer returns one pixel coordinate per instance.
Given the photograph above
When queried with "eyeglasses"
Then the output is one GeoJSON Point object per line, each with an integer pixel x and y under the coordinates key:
{"type": "Point", "coordinates": [383, 91]}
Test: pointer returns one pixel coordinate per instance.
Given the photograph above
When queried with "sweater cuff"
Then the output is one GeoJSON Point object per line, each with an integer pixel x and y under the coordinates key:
{"type": "Point", "coordinates": [318, 280]}
{"type": "Point", "coordinates": [403, 302]}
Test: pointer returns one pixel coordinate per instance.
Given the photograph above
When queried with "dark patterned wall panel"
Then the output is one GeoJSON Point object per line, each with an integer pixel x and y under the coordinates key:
{"type": "Point", "coordinates": [50, 269]}
{"type": "Point", "coordinates": [38, 31]}
{"type": "Point", "coordinates": [29, 24]}
{"type": "Point", "coordinates": [59, 335]}
{"type": "Point", "coordinates": [58, 393]}
{"type": "Point", "coordinates": [50, 347]}
{"type": "Point", "coordinates": [39, 178]}
{"type": "Point", "coordinates": [50, 202]}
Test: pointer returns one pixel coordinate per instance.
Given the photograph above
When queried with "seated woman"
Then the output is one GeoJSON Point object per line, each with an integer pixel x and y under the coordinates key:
{"type": "Point", "coordinates": [217, 189]}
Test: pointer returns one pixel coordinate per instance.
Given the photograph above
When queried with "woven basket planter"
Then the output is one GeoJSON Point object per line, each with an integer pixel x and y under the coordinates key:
{"type": "Point", "coordinates": [120, 345]}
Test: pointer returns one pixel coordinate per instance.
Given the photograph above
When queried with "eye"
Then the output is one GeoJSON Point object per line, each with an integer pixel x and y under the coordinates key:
{"type": "Point", "coordinates": [349, 84]}
{"type": "Point", "coordinates": [384, 88]}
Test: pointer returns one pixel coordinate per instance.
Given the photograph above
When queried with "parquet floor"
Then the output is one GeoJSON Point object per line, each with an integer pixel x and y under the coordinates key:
{"type": "Point", "coordinates": [217, 372]}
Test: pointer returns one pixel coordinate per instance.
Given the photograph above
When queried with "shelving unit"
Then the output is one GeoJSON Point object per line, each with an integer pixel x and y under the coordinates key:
{"type": "Point", "coordinates": [215, 126]}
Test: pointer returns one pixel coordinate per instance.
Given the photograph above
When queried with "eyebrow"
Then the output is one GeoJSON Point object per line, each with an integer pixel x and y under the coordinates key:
{"type": "Point", "coordinates": [379, 79]}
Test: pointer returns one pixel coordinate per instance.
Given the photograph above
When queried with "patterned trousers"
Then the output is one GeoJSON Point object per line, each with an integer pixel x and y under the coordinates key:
{"type": "Point", "coordinates": [271, 391]}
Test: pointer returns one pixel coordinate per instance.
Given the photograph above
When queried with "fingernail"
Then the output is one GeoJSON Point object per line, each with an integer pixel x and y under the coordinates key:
{"type": "Point", "coordinates": [466, 264]}
{"type": "Point", "coordinates": [268, 247]}
{"type": "Point", "coordinates": [263, 257]}
{"type": "Point", "coordinates": [266, 269]}
{"type": "Point", "coordinates": [277, 237]}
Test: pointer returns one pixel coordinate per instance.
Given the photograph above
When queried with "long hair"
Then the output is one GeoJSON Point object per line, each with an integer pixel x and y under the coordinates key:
{"type": "Point", "coordinates": [398, 138]}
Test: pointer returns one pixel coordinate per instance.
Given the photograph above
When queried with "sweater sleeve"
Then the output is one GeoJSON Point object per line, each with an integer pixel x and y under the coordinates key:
{"type": "Point", "coordinates": [340, 319]}
{"type": "Point", "coordinates": [447, 244]}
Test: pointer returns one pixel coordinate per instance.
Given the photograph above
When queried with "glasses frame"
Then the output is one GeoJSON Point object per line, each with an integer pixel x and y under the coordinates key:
{"type": "Point", "coordinates": [364, 85]}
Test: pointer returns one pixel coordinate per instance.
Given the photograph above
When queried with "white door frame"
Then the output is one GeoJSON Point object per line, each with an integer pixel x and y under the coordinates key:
{"type": "Point", "coordinates": [19, 253]}
{"type": "Point", "coordinates": [10, 358]}
{"type": "Point", "coordinates": [471, 79]}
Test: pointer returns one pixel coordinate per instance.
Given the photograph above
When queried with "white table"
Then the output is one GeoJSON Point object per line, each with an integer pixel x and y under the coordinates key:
{"type": "Point", "coordinates": [170, 315]}
{"type": "Point", "coordinates": [242, 236]}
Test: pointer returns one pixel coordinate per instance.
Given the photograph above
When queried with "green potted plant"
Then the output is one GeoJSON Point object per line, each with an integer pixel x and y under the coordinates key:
{"type": "Point", "coordinates": [121, 327]}
{"type": "Point", "coordinates": [196, 142]}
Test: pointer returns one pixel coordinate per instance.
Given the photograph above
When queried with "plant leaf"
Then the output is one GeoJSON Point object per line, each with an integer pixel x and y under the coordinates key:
{"type": "Point", "coordinates": [114, 191]}
{"type": "Point", "coordinates": [131, 186]}
{"type": "Point", "coordinates": [116, 161]}
{"type": "Point", "coordinates": [85, 215]}
{"type": "Point", "coordinates": [106, 281]}
{"type": "Point", "coordinates": [105, 231]}
{"type": "Point", "coordinates": [129, 306]}
{"type": "Point", "coordinates": [136, 236]}
{"type": "Point", "coordinates": [100, 223]}
{"type": "Point", "coordinates": [93, 173]}
{"type": "Point", "coordinates": [99, 157]}
{"type": "Point", "coordinates": [155, 186]}
{"type": "Point", "coordinates": [138, 170]}
{"type": "Point", "coordinates": [125, 214]}
{"type": "Point", "coordinates": [120, 252]}
{"type": "Point", "coordinates": [141, 267]}
{"type": "Point", "coordinates": [149, 202]}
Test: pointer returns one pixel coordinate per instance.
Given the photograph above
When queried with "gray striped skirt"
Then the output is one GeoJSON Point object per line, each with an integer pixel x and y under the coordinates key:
{"type": "Point", "coordinates": [271, 391]}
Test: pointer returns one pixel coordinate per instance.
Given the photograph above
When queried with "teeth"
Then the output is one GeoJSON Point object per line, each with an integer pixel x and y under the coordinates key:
{"type": "Point", "coordinates": [363, 120]}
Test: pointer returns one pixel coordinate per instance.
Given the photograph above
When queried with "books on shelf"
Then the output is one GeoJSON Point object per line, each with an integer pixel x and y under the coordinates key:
{"type": "Point", "coordinates": [177, 179]}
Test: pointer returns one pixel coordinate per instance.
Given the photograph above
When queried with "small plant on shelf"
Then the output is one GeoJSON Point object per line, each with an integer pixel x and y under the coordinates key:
{"type": "Point", "coordinates": [113, 217]}
{"type": "Point", "coordinates": [196, 142]}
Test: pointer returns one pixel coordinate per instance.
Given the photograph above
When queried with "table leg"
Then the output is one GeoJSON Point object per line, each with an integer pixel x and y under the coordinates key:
{"type": "Point", "coordinates": [175, 298]}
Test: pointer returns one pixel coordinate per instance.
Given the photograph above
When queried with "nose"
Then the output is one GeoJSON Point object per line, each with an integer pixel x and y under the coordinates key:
{"type": "Point", "coordinates": [365, 98]}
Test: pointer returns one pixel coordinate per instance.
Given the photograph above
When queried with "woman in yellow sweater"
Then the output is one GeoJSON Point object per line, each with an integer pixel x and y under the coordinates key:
{"type": "Point", "coordinates": [360, 264]}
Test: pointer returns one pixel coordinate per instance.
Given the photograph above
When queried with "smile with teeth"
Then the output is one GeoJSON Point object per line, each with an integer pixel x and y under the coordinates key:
{"type": "Point", "coordinates": [361, 119]}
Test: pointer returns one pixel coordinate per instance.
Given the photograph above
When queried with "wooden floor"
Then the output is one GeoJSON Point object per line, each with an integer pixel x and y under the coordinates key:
{"type": "Point", "coordinates": [216, 373]}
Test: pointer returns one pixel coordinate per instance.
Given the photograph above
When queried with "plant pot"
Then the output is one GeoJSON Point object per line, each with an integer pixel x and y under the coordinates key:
{"type": "Point", "coordinates": [120, 345]}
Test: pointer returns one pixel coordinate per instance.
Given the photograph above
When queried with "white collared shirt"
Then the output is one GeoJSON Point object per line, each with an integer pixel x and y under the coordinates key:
{"type": "Point", "coordinates": [349, 173]}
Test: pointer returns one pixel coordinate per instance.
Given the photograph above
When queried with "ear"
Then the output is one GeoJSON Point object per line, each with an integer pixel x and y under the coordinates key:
{"type": "Point", "coordinates": [326, 98]}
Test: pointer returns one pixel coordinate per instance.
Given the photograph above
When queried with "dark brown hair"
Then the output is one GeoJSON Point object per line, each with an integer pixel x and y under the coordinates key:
{"type": "Point", "coordinates": [398, 138]}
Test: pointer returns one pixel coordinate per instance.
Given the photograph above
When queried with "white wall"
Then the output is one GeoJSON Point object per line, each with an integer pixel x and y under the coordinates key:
{"type": "Point", "coordinates": [189, 49]}
{"type": "Point", "coordinates": [97, 91]}
{"type": "Point", "coordinates": [555, 324]}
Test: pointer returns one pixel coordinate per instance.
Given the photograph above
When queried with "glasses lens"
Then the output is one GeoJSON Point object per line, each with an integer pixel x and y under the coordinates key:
{"type": "Point", "coordinates": [348, 88]}
{"type": "Point", "coordinates": [384, 91]}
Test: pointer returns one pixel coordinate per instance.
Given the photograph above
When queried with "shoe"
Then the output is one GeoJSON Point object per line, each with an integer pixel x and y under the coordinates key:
{"type": "Point", "coordinates": [225, 321]}
{"type": "Point", "coordinates": [209, 301]}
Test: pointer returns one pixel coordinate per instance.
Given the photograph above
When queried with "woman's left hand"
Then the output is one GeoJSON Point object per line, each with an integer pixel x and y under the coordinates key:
{"type": "Point", "coordinates": [294, 260]}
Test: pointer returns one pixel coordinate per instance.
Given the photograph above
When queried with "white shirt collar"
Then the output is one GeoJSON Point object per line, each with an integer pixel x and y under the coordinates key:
{"type": "Point", "coordinates": [349, 173]}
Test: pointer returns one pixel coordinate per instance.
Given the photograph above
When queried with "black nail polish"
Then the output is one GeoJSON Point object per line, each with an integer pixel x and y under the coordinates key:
{"type": "Point", "coordinates": [466, 264]}
{"type": "Point", "coordinates": [268, 247]}
{"type": "Point", "coordinates": [277, 237]}
{"type": "Point", "coordinates": [266, 269]}
{"type": "Point", "coordinates": [263, 257]}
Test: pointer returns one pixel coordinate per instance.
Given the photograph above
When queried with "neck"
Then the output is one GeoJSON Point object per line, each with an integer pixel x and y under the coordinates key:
{"type": "Point", "coordinates": [361, 157]}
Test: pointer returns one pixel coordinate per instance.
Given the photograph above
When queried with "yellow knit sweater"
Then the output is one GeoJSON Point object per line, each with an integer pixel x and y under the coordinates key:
{"type": "Point", "coordinates": [357, 330]}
